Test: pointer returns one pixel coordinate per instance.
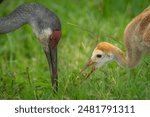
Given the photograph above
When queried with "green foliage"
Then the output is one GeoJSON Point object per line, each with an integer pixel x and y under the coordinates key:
{"type": "Point", "coordinates": [24, 72]}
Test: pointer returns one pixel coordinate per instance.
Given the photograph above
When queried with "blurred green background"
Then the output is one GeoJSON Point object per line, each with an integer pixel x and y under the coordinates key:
{"type": "Point", "coordinates": [24, 72]}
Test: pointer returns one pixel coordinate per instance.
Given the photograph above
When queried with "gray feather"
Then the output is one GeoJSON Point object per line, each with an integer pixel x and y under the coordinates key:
{"type": "Point", "coordinates": [34, 14]}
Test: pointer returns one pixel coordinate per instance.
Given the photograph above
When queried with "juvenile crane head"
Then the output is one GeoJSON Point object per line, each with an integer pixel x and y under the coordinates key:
{"type": "Point", "coordinates": [103, 53]}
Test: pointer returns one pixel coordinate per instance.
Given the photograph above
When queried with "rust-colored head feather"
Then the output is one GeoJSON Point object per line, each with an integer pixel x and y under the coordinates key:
{"type": "Point", "coordinates": [105, 47]}
{"type": "Point", "coordinates": [109, 48]}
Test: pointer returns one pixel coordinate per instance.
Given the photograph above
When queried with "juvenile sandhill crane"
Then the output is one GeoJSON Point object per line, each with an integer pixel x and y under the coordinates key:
{"type": "Point", "coordinates": [137, 42]}
{"type": "Point", "coordinates": [46, 26]}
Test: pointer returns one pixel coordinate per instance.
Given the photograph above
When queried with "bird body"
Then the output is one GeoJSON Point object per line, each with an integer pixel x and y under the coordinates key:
{"type": "Point", "coordinates": [137, 42]}
{"type": "Point", "coordinates": [46, 26]}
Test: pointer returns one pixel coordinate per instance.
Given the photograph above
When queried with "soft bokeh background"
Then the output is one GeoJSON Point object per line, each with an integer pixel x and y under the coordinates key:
{"type": "Point", "coordinates": [24, 72]}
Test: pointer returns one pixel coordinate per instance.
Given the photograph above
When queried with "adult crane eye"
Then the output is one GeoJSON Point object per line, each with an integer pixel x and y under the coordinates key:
{"type": "Point", "coordinates": [99, 55]}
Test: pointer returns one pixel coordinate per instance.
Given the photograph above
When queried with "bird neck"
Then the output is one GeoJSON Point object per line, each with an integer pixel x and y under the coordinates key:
{"type": "Point", "coordinates": [120, 57]}
{"type": "Point", "coordinates": [129, 61]}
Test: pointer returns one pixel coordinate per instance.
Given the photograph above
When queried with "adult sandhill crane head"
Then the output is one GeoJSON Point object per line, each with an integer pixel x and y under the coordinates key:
{"type": "Point", "coordinates": [46, 26]}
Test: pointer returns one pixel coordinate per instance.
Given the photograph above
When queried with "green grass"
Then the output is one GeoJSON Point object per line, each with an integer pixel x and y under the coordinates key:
{"type": "Point", "coordinates": [24, 72]}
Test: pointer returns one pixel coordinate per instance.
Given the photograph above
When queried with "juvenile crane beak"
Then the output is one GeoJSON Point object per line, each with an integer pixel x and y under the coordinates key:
{"type": "Point", "coordinates": [89, 63]}
{"type": "Point", "coordinates": [52, 57]}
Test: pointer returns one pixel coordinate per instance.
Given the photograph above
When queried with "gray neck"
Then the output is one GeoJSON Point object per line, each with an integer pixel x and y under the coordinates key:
{"type": "Point", "coordinates": [33, 14]}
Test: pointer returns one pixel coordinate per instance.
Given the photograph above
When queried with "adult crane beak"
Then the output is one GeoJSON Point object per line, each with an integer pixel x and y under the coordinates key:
{"type": "Point", "coordinates": [53, 66]}
{"type": "Point", "coordinates": [89, 63]}
{"type": "Point", "coordinates": [52, 57]}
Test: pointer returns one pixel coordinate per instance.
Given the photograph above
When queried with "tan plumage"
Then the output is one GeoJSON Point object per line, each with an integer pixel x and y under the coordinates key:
{"type": "Point", "coordinates": [137, 42]}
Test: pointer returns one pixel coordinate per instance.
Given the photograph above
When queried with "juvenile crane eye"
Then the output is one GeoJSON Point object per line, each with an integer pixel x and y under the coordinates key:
{"type": "Point", "coordinates": [99, 55]}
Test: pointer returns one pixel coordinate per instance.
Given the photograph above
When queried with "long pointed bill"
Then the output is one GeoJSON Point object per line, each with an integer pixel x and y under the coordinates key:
{"type": "Point", "coordinates": [52, 57]}
{"type": "Point", "coordinates": [92, 70]}
{"type": "Point", "coordinates": [53, 60]}
{"type": "Point", "coordinates": [90, 63]}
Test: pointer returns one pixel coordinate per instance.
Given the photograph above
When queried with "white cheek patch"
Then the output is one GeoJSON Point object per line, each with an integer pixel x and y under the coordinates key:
{"type": "Point", "coordinates": [45, 34]}
{"type": "Point", "coordinates": [44, 37]}
{"type": "Point", "coordinates": [105, 59]}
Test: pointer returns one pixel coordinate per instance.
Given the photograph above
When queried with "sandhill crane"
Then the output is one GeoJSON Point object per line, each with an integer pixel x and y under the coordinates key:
{"type": "Point", "coordinates": [46, 26]}
{"type": "Point", "coordinates": [137, 42]}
